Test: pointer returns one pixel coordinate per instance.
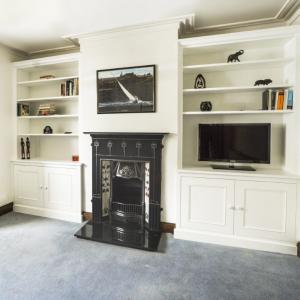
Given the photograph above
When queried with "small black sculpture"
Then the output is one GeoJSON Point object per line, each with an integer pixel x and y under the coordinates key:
{"type": "Point", "coordinates": [235, 57]}
{"type": "Point", "coordinates": [48, 130]}
{"type": "Point", "coordinates": [22, 148]}
{"type": "Point", "coordinates": [200, 82]}
{"type": "Point", "coordinates": [263, 82]}
{"type": "Point", "coordinates": [206, 106]}
{"type": "Point", "coordinates": [27, 148]}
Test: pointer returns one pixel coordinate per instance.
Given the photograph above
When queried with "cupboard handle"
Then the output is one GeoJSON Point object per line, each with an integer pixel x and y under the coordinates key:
{"type": "Point", "coordinates": [240, 208]}
{"type": "Point", "coordinates": [231, 207]}
{"type": "Point", "coordinates": [41, 187]}
{"type": "Point", "coordinates": [46, 188]}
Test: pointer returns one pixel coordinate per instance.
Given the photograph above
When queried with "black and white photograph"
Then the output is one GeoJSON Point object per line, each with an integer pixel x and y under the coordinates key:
{"type": "Point", "coordinates": [126, 90]}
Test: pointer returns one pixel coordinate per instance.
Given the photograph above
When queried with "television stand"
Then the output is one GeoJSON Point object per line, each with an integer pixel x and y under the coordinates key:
{"type": "Point", "coordinates": [232, 167]}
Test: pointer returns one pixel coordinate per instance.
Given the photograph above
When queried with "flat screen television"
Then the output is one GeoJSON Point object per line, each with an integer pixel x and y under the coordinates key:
{"type": "Point", "coordinates": [242, 143]}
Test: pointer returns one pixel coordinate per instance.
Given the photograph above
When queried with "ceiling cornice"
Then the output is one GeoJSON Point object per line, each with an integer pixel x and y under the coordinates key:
{"type": "Point", "coordinates": [148, 25]}
{"type": "Point", "coordinates": [281, 18]}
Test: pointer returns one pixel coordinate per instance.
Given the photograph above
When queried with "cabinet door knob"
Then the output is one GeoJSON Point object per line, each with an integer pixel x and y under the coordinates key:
{"type": "Point", "coordinates": [231, 207]}
{"type": "Point", "coordinates": [46, 188]}
{"type": "Point", "coordinates": [41, 187]}
{"type": "Point", "coordinates": [240, 208]}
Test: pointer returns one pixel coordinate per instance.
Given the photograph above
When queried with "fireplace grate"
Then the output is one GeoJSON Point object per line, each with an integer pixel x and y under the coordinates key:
{"type": "Point", "coordinates": [127, 209]}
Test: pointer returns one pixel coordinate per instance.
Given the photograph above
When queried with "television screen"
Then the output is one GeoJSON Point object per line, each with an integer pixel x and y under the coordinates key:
{"type": "Point", "coordinates": [235, 142]}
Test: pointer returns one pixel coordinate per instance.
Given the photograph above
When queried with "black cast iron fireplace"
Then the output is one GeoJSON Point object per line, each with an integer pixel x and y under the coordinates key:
{"type": "Point", "coordinates": [126, 190]}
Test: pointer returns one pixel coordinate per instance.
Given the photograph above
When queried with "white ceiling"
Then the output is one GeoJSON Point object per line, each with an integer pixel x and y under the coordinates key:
{"type": "Point", "coordinates": [33, 25]}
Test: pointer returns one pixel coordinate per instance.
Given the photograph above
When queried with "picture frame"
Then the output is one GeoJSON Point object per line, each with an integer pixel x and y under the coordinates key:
{"type": "Point", "coordinates": [126, 90]}
{"type": "Point", "coordinates": [23, 110]}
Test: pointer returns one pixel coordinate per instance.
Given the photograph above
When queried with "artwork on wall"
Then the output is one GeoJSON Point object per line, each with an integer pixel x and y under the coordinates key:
{"type": "Point", "coordinates": [126, 90]}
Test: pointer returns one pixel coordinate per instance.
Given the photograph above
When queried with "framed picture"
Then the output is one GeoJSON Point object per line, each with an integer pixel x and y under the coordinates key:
{"type": "Point", "coordinates": [23, 109]}
{"type": "Point", "coordinates": [126, 90]}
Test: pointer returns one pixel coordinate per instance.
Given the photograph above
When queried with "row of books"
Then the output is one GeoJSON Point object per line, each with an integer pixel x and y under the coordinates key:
{"type": "Point", "coordinates": [277, 99]}
{"type": "Point", "coordinates": [46, 109]}
{"type": "Point", "coordinates": [70, 87]}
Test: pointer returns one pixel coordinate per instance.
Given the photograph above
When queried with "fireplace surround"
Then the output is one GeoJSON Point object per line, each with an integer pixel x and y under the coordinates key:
{"type": "Point", "coordinates": [126, 189]}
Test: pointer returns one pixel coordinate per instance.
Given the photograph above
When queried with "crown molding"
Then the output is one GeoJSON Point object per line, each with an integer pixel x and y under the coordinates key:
{"type": "Point", "coordinates": [283, 17]}
{"type": "Point", "coordinates": [185, 19]}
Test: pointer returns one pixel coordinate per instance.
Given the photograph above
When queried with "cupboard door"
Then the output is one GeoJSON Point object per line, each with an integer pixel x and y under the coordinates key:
{"type": "Point", "coordinates": [62, 188]}
{"type": "Point", "coordinates": [265, 210]}
{"type": "Point", "coordinates": [207, 204]}
{"type": "Point", "coordinates": [28, 185]}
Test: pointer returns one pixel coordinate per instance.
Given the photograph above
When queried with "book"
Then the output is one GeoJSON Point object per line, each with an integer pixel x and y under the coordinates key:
{"type": "Point", "coordinates": [63, 89]}
{"type": "Point", "coordinates": [280, 99]}
{"type": "Point", "coordinates": [273, 100]}
{"type": "Point", "coordinates": [290, 97]}
{"type": "Point", "coordinates": [266, 99]}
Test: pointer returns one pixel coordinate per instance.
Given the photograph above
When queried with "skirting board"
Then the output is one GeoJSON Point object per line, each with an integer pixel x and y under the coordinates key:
{"type": "Point", "coordinates": [165, 227]}
{"type": "Point", "coordinates": [48, 213]}
{"type": "Point", "coordinates": [4, 209]}
{"type": "Point", "coordinates": [234, 241]}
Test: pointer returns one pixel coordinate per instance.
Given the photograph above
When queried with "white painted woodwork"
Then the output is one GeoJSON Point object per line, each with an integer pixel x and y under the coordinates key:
{"type": "Point", "coordinates": [50, 189]}
{"type": "Point", "coordinates": [60, 188]}
{"type": "Point", "coordinates": [265, 210]}
{"type": "Point", "coordinates": [207, 204]}
{"type": "Point", "coordinates": [29, 88]}
{"type": "Point", "coordinates": [236, 209]}
{"type": "Point", "coordinates": [28, 185]}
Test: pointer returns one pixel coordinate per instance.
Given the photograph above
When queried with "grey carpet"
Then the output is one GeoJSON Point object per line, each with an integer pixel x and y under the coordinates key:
{"type": "Point", "coordinates": [40, 259]}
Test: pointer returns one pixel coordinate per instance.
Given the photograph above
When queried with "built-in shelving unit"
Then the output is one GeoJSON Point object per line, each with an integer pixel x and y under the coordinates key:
{"type": "Point", "coordinates": [268, 54]}
{"type": "Point", "coordinates": [39, 83]}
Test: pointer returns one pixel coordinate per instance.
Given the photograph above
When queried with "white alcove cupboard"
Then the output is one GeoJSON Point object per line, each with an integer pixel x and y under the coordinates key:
{"type": "Point", "coordinates": [49, 183]}
{"type": "Point", "coordinates": [258, 210]}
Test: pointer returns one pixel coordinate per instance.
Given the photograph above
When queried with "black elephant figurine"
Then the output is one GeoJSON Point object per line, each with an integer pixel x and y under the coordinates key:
{"type": "Point", "coordinates": [235, 57]}
{"type": "Point", "coordinates": [263, 82]}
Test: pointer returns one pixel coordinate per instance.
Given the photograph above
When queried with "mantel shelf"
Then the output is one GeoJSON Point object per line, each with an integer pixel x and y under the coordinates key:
{"type": "Point", "coordinates": [235, 89]}
{"type": "Point", "coordinates": [56, 98]}
{"type": "Point", "coordinates": [236, 112]}
{"type": "Point", "coordinates": [49, 135]}
{"type": "Point", "coordinates": [237, 65]}
{"type": "Point", "coordinates": [48, 117]}
{"type": "Point", "coordinates": [38, 82]}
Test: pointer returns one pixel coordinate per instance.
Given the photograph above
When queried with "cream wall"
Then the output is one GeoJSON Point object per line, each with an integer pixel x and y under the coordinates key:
{"type": "Point", "coordinates": [133, 47]}
{"type": "Point", "coordinates": [6, 123]}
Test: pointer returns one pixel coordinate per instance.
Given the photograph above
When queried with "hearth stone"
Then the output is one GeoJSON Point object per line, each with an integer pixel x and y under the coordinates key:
{"type": "Point", "coordinates": [133, 237]}
{"type": "Point", "coordinates": [126, 190]}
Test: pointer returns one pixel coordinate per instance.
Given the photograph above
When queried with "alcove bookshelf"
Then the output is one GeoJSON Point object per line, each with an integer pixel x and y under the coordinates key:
{"type": "Point", "coordinates": [41, 84]}
{"type": "Point", "coordinates": [268, 53]}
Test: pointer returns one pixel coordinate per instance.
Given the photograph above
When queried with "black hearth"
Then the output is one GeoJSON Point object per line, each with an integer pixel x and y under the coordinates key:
{"type": "Point", "coordinates": [126, 190]}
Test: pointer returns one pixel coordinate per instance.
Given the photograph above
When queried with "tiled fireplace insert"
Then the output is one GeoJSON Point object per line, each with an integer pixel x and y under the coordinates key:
{"type": "Point", "coordinates": [126, 190]}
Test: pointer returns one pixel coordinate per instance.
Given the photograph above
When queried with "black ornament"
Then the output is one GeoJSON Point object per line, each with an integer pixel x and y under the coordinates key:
{"type": "Point", "coordinates": [235, 57]}
{"type": "Point", "coordinates": [263, 82]}
{"type": "Point", "coordinates": [27, 148]}
{"type": "Point", "coordinates": [22, 148]}
{"type": "Point", "coordinates": [48, 130]}
{"type": "Point", "coordinates": [200, 82]}
{"type": "Point", "coordinates": [206, 106]}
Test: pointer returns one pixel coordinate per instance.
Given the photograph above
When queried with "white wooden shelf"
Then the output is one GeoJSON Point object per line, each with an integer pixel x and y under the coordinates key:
{"type": "Point", "coordinates": [236, 112]}
{"type": "Point", "coordinates": [38, 82]}
{"type": "Point", "coordinates": [237, 65]}
{"type": "Point", "coordinates": [48, 117]}
{"type": "Point", "coordinates": [56, 98]}
{"type": "Point", "coordinates": [235, 89]}
{"type": "Point", "coordinates": [40, 160]}
{"type": "Point", "coordinates": [49, 135]}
